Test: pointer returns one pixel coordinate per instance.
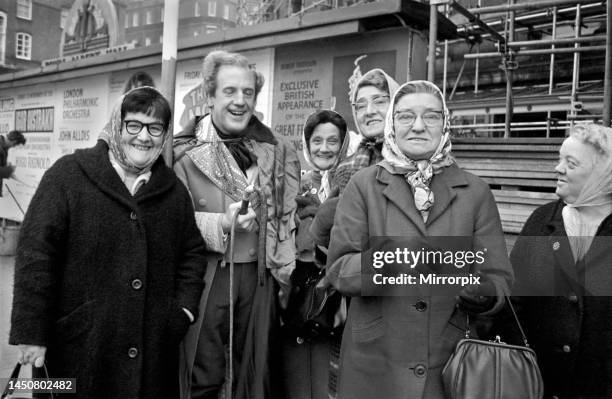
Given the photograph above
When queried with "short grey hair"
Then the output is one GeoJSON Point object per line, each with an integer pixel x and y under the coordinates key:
{"type": "Point", "coordinates": [215, 60]}
{"type": "Point", "coordinates": [596, 135]}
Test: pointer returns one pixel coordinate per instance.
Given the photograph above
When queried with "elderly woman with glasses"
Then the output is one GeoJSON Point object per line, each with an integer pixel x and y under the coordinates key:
{"type": "Point", "coordinates": [109, 267]}
{"type": "Point", "coordinates": [396, 346]}
{"type": "Point", "coordinates": [370, 97]}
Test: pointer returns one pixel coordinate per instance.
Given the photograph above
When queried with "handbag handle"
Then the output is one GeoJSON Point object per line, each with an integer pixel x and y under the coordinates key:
{"type": "Point", "coordinates": [518, 323]}
{"type": "Point", "coordinates": [15, 374]}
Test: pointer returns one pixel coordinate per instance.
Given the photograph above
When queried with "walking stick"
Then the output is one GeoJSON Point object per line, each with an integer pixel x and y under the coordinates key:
{"type": "Point", "coordinates": [242, 211]}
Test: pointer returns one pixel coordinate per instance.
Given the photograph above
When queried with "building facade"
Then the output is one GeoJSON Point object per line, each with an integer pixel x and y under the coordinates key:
{"type": "Point", "coordinates": [24, 41]}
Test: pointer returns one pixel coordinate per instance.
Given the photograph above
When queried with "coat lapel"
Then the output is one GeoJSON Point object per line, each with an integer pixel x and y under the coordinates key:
{"type": "Point", "coordinates": [398, 192]}
{"type": "Point", "coordinates": [95, 162]}
{"type": "Point", "coordinates": [442, 186]}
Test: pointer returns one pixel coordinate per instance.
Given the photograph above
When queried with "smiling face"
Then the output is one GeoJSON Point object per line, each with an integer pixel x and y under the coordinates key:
{"type": "Point", "coordinates": [371, 106]}
{"type": "Point", "coordinates": [140, 149]}
{"type": "Point", "coordinates": [234, 100]}
{"type": "Point", "coordinates": [576, 161]}
{"type": "Point", "coordinates": [418, 122]}
{"type": "Point", "coordinates": [324, 145]}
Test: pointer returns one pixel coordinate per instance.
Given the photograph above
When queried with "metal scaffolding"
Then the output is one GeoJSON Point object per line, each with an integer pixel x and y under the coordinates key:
{"type": "Point", "coordinates": [508, 49]}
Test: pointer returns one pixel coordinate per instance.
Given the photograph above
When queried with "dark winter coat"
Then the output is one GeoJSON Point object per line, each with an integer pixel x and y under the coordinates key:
{"type": "Point", "coordinates": [570, 325]}
{"type": "Point", "coordinates": [394, 347]}
{"type": "Point", "coordinates": [101, 277]}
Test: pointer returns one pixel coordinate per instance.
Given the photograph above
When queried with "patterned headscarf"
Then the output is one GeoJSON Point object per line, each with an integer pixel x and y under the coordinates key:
{"type": "Point", "coordinates": [594, 203]}
{"type": "Point", "coordinates": [325, 189]}
{"type": "Point", "coordinates": [111, 133]}
{"type": "Point", "coordinates": [368, 151]}
{"type": "Point", "coordinates": [418, 173]}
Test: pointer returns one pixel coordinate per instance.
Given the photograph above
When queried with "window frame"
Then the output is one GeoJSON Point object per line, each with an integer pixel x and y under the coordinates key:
{"type": "Point", "coordinates": [28, 5]}
{"type": "Point", "coordinates": [3, 17]}
{"type": "Point", "coordinates": [212, 8]}
{"type": "Point", "coordinates": [24, 35]}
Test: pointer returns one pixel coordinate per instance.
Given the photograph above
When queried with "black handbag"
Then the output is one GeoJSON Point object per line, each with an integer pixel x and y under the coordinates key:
{"type": "Point", "coordinates": [8, 392]}
{"type": "Point", "coordinates": [481, 369]}
{"type": "Point", "coordinates": [311, 311]}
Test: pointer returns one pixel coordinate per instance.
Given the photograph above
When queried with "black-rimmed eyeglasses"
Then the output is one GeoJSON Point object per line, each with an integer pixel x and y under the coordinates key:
{"type": "Point", "coordinates": [135, 127]}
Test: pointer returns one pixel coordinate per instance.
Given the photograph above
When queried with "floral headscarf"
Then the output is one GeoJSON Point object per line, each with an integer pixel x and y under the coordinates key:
{"type": "Point", "coordinates": [594, 203]}
{"type": "Point", "coordinates": [418, 173]}
{"type": "Point", "coordinates": [368, 150]}
{"type": "Point", "coordinates": [325, 189]}
{"type": "Point", "coordinates": [111, 133]}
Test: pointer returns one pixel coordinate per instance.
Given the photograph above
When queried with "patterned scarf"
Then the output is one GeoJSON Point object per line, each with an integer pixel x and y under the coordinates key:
{"type": "Point", "coordinates": [213, 157]}
{"type": "Point", "coordinates": [369, 151]}
{"type": "Point", "coordinates": [417, 173]}
{"type": "Point", "coordinates": [111, 134]}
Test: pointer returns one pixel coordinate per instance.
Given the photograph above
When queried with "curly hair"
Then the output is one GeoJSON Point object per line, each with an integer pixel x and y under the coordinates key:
{"type": "Point", "coordinates": [598, 136]}
{"type": "Point", "coordinates": [215, 60]}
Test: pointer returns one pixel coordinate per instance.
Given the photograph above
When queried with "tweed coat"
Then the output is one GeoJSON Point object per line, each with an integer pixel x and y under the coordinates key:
{"type": "Point", "coordinates": [570, 324]}
{"type": "Point", "coordinates": [394, 347]}
{"type": "Point", "coordinates": [101, 277]}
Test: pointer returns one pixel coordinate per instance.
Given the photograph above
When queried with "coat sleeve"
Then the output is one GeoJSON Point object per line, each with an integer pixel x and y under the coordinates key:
{"type": "Point", "coordinates": [208, 223]}
{"type": "Point", "coordinates": [38, 264]}
{"type": "Point", "coordinates": [488, 235]}
{"type": "Point", "coordinates": [192, 262]}
{"type": "Point", "coordinates": [350, 227]}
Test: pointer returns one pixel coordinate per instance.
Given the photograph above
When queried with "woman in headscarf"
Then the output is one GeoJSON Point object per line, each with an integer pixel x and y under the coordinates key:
{"type": "Point", "coordinates": [110, 262]}
{"type": "Point", "coordinates": [370, 98]}
{"type": "Point", "coordinates": [562, 262]}
{"type": "Point", "coordinates": [306, 348]}
{"type": "Point", "coordinates": [395, 346]}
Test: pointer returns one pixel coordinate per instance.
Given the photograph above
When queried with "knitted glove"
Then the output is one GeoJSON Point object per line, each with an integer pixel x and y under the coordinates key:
{"type": "Point", "coordinates": [324, 220]}
{"type": "Point", "coordinates": [307, 205]}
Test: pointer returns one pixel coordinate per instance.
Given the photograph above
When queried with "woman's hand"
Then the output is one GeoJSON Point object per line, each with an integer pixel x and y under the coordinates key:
{"type": "Point", "coordinates": [475, 299]}
{"type": "Point", "coordinates": [32, 354]}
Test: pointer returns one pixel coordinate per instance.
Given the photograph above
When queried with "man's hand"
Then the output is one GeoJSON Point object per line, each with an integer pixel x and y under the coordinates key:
{"type": "Point", "coordinates": [245, 223]}
{"type": "Point", "coordinates": [13, 167]}
{"type": "Point", "coordinates": [32, 354]}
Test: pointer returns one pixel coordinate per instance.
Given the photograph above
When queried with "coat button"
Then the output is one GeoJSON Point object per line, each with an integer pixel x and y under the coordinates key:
{"type": "Point", "coordinates": [137, 284]}
{"type": "Point", "coordinates": [421, 306]}
{"type": "Point", "coordinates": [252, 252]}
{"type": "Point", "coordinates": [133, 216]}
{"type": "Point", "coordinates": [420, 370]}
{"type": "Point", "coordinates": [573, 298]}
{"type": "Point", "coordinates": [132, 352]}
{"type": "Point", "coordinates": [567, 349]}
{"type": "Point", "coordinates": [202, 202]}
